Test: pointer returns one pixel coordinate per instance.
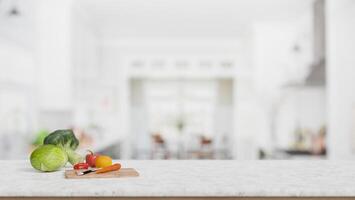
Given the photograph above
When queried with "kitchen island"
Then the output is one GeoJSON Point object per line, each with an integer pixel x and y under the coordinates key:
{"type": "Point", "coordinates": [189, 179]}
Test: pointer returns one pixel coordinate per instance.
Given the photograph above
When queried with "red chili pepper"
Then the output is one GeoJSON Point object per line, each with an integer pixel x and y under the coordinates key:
{"type": "Point", "coordinates": [81, 166]}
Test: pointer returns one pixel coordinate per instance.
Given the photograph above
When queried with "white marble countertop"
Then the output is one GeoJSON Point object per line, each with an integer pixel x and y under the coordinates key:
{"type": "Point", "coordinates": [191, 178]}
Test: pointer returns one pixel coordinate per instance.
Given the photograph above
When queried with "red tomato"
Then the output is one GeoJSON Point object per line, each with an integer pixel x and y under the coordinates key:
{"type": "Point", "coordinates": [90, 158]}
{"type": "Point", "coordinates": [81, 166]}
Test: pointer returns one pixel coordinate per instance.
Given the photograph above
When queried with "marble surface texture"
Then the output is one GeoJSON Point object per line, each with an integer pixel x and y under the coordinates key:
{"type": "Point", "coordinates": [191, 178]}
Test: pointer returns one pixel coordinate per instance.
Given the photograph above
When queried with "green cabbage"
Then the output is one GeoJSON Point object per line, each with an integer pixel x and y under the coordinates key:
{"type": "Point", "coordinates": [48, 158]}
{"type": "Point", "coordinates": [67, 140]}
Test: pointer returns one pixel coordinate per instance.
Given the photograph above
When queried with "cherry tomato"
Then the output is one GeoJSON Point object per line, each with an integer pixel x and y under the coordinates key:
{"type": "Point", "coordinates": [81, 166]}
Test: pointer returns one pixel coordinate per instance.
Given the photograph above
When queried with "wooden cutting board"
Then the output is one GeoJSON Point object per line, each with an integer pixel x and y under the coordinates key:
{"type": "Point", "coordinates": [123, 172]}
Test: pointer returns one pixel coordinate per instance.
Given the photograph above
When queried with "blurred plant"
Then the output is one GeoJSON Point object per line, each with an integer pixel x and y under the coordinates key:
{"type": "Point", "coordinates": [180, 124]}
{"type": "Point", "coordinates": [39, 138]}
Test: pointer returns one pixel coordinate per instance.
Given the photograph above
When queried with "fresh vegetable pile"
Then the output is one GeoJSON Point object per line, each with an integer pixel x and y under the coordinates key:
{"type": "Point", "coordinates": [59, 147]}
{"type": "Point", "coordinates": [66, 140]}
{"type": "Point", "coordinates": [48, 158]}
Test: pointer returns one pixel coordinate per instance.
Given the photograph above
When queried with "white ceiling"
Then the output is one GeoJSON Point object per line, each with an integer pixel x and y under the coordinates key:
{"type": "Point", "coordinates": [190, 18]}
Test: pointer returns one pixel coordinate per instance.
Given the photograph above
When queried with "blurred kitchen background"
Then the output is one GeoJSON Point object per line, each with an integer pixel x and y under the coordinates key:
{"type": "Point", "coordinates": [180, 79]}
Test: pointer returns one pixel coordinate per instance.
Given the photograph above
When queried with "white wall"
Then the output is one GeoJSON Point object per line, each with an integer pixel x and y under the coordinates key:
{"type": "Point", "coordinates": [85, 51]}
{"type": "Point", "coordinates": [250, 132]}
{"type": "Point", "coordinates": [341, 77]}
{"type": "Point", "coordinates": [16, 63]}
{"type": "Point", "coordinates": [17, 81]}
{"type": "Point", "coordinates": [275, 64]}
{"type": "Point", "coordinates": [275, 61]}
{"type": "Point", "coordinates": [53, 54]}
